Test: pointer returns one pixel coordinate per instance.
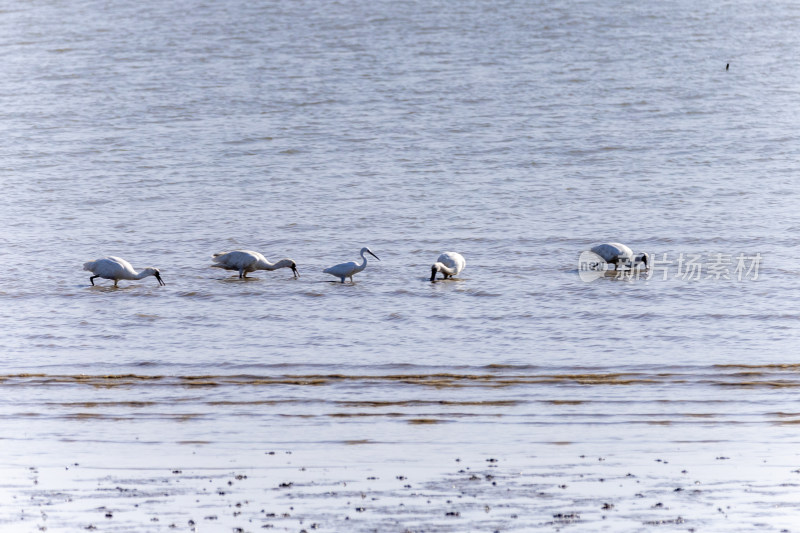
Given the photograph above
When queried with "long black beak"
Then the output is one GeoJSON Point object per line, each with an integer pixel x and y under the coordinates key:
{"type": "Point", "coordinates": [373, 255]}
{"type": "Point", "coordinates": [160, 281]}
{"type": "Point", "coordinates": [433, 274]}
{"type": "Point", "coordinates": [296, 273]}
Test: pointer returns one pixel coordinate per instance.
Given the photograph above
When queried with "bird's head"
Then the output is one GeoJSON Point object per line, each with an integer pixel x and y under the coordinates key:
{"type": "Point", "coordinates": [434, 270]}
{"type": "Point", "coordinates": [293, 266]}
{"type": "Point", "coordinates": [157, 274]}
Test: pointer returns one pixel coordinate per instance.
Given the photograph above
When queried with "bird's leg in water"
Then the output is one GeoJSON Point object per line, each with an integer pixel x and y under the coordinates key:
{"type": "Point", "coordinates": [92, 279]}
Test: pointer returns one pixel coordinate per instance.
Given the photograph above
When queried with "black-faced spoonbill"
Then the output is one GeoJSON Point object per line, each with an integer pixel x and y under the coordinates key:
{"type": "Point", "coordinates": [246, 261]}
{"type": "Point", "coordinates": [346, 270]}
{"type": "Point", "coordinates": [618, 254]}
{"type": "Point", "coordinates": [449, 264]}
{"type": "Point", "coordinates": [117, 269]}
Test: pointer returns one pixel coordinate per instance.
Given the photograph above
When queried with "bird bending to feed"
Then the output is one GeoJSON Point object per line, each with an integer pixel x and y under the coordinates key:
{"type": "Point", "coordinates": [116, 268]}
{"type": "Point", "coordinates": [449, 264]}
{"type": "Point", "coordinates": [246, 261]}
{"type": "Point", "coordinates": [346, 270]}
{"type": "Point", "coordinates": [619, 254]}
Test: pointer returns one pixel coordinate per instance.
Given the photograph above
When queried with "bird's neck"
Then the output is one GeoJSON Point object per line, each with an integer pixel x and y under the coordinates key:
{"type": "Point", "coordinates": [363, 265]}
{"type": "Point", "coordinates": [266, 265]}
{"type": "Point", "coordinates": [441, 267]}
{"type": "Point", "coordinates": [144, 273]}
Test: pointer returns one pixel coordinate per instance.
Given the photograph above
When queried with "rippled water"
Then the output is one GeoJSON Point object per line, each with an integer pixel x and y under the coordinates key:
{"type": "Point", "coordinates": [516, 133]}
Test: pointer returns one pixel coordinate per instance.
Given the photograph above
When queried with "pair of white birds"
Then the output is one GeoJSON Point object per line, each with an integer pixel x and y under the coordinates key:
{"type": "Point", "coordinates": [244, 261]}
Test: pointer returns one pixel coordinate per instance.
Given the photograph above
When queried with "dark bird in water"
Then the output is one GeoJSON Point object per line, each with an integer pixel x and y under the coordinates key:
{"type": "Point", "coordinates": [727, 66]}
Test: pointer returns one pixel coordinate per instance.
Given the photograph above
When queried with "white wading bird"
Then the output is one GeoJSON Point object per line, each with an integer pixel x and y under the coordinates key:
{"type": "Point", "coordinates": [117, 269]}
{"type": "Point", "coordinates": [449, 264]}
{"type": "Point", "coordinates": [246, 261]}
{"type": "Point", "coordinates": [346, 270]}
{"type": "Point", "coordinates": [619, 254]}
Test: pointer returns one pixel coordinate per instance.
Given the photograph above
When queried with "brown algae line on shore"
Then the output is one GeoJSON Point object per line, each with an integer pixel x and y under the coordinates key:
{"type": "Point", "coordinates": [771, 366]}
{"type": "Point", "coordinates": [435, 380]}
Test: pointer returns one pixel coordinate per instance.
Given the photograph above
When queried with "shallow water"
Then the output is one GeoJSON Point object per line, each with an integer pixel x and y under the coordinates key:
{"type": "Point", "coordinates": [518, 134]}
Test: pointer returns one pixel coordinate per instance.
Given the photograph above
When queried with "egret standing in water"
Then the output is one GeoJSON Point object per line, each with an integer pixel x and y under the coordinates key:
{"type": "Point", "coordinates": [449, 264]}
{"type": "Point", "coordinates": [619, 254]}
{"type": "Point", "coordinates": [246, 261]}
{"type": "Point", "coordinates": [346, 270]}
{"type": "Point", "coordinates": [116, 268]}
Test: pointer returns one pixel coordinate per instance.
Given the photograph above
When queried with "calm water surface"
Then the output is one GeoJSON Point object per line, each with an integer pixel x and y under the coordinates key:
{"type": "Point", "coordinates": [516, 133]}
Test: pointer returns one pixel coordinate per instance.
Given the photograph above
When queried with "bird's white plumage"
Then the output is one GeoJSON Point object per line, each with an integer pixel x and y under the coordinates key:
{"type": "Point", "coordinates": [449, 264]}
{"type": "Point", "coordinates": [613, 252]}
{"type": "Point", "coordinates": [618, 254]}
{"type": "Point", "coordinates": [346, 270]}
{"type": "Point", "coordinates": [117, 268]}
{"type": "Point", "coordinates": [246, 261]}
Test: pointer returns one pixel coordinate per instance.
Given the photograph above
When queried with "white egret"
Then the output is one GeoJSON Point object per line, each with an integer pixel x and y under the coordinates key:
{"type": "Point", "coordinates": [116, 268]}
{"type": "Point", "coordinates": [346, 270]}
{"type": "Point", "coordinates": [246, 261]}
{"type": "Point", "coordinates": [449, 264]}
{"type": "Point", "coordinates": [618, 254]}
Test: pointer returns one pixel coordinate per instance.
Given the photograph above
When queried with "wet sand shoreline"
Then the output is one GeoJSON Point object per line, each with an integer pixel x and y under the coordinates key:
{"type": "Point", "coordinates": [520, 449]}
{"type": "Point", "coordinates": [286, 490]}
